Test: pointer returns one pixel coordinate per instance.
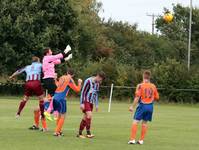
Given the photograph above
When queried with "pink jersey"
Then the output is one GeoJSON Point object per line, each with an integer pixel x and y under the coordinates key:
{"type": "Point", "coordinates": [49, 63]}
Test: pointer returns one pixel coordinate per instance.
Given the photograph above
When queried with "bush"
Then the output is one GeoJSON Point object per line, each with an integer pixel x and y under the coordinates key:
{"type": "Point", "coordinates": [172, 75]}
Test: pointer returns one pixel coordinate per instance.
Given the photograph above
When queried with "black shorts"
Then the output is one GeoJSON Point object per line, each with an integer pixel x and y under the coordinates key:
{"type": "Point", "coordinates": [49, 84]}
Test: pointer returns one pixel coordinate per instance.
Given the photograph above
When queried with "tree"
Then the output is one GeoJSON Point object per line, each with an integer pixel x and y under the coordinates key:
{"type": "Point", "coordinates": [26, 27]}
{"type": "Point", "coordinates": [177, 32]}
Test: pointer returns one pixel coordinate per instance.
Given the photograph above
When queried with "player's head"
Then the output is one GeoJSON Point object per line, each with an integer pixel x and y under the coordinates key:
{"type": "Point", "coordinates": [47, 51]}
{"type": "Point", "coordinates": [147, 75]}
{"type": "Point", "coordinates": [70, 72]}
{"type": "Point", "coordinates": [100, 76]}
{"type": "Point", "coordinates": [35, 59]}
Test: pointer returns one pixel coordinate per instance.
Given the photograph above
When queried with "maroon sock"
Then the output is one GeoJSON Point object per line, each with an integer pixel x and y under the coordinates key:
{"type": "Point", "coordinates": [88, 125]}
{"type": "Point", "coordinates": [41, 106]}
{"type": "Point", "coordinates": [21, 106]}
{"type": "Point", "coordinates": [82, 126]}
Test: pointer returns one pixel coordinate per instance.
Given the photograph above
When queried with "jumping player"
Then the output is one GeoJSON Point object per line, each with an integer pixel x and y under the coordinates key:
{"type": "Point", "coordinates": [48, 105]}
{"type": "Point", "coordinates": [48, 66]}
{"type": "Point", "coordinates": [32, 86]}
{"type": "Point", "coordinates": [89, 96]}
{"type": "Point", "coordinates": [59, 100]}
{"type": "Point", "coordinates": [145, 95]}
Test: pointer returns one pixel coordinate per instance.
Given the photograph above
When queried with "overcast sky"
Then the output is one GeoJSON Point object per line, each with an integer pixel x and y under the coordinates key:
{"type": "Point", "coordinates": [134, 11]}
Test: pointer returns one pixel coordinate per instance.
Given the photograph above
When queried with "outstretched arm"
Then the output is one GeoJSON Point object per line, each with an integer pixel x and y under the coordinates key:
{"type": "Point", "coordinates": [56, 62]}
{"type": "Point", "coordinates": [17, 73]}
{"type": "Point", "coordinates": [61, 60]}
{"type": "Point", "coordinates": [54, 58]}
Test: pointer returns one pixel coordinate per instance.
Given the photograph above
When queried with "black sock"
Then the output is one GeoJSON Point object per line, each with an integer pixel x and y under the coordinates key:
{"type": "Point", "coordinates": [88, 132]}
{"type": "Point", "coordinates": [80, 132]}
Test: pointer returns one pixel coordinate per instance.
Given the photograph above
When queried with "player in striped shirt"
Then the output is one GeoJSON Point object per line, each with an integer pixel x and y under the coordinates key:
{"type": "Point", "coordinates": [89, 96]}
{"type": "Point", "coordinates": [32, 87]}
{"type": "Point", "coordinates": [145, 95]}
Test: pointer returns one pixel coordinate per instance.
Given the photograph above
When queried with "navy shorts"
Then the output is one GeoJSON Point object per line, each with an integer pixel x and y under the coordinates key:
{"type": "Point", "coordinates": [144, 112]}
{"type": "Point", "coordinates": [46, 105]}
{"type": "Point", "coordinates": [60, 105]}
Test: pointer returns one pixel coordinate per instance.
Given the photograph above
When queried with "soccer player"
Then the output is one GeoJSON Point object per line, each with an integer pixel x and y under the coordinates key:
{"type": "Point", "coordinates": [145, 95]}
{"type": "Point", "coordinates": [59, 100]}
{"type": "Point", "coordinates": [89, 96]}
{"type": "Point", "coordinates": [48, 66]}
{"type": "Point", "coordinates": [32, 86]}
{"type": "Point", "coordinates": [49, 62]}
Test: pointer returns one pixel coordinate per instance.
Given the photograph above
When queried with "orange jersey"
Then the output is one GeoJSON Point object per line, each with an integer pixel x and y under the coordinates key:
{"type": "Point", "coordinates": [147, 92]}
{"type": "Point", "coordinates": [64, 84]}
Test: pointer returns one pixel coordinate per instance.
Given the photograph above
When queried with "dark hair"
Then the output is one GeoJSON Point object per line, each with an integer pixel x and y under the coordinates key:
{"type": "Point", "coordinates": [46, 50]}
{"type": "Point", "coordinates": [102, 75]}
{"type": "Point", "coordinates": [35, 59]}
{"type": "Point", "coordinates": [70, 71]}
{"type": "Point", "coordinates": [147, 74]}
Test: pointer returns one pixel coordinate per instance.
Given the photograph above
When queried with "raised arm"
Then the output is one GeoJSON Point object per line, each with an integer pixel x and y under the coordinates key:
{"type": "Point", "coordinates": [54, 58]}
{"type": "Point", "coordinates": [56, 62]}
{"type": "Point", "coordinates": [75, 87]}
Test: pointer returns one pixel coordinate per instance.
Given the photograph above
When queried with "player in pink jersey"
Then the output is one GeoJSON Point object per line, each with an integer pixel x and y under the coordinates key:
{"type": "Point", "coordinates": [48, 67]}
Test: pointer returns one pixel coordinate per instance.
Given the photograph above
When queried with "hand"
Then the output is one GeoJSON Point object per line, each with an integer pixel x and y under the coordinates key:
{"type": "Point", "coordinates": [96, 109]}
{"type": "Point", "coordinates": [131, 108]}
{"type": "Point", "coordinates": [11, 77]}
{"type": "Point", "coordinates": [67, 49]}
{"type": "Point", "coordinates": [70, 56]}
{"type": "Point", "coordinates": [80, 81]}
{"type": "Point", "coordinates": [82, 107]}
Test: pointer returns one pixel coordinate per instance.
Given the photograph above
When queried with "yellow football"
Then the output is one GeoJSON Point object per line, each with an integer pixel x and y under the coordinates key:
{"type": "Point", "coordinates": [168, 17]}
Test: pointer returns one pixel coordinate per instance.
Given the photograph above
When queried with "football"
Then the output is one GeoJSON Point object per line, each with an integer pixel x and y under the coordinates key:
{"type": "Point", "coordinates": [168, 17]}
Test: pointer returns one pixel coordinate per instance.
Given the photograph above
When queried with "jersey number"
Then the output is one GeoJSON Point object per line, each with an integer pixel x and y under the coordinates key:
{"type": "Point", "coordinates": [148, 93]}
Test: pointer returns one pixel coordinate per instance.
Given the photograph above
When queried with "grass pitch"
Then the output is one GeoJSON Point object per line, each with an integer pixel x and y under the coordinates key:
{"type": "Point", "coordinates": [174, 127]}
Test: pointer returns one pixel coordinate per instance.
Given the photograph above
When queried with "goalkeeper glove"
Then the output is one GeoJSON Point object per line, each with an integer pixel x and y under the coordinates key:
{"type": "Point", "coordinates": [70, 56]}
{"type": "Point", "coordinates": [66, 52]}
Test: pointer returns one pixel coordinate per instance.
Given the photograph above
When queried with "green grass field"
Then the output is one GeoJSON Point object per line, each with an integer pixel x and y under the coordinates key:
{"type": "Point", "coordinates": [173, 128]}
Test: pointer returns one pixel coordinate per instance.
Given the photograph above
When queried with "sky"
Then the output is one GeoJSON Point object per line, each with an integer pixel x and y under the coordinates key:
{"type": "Point", "coordinates": [135, 11]}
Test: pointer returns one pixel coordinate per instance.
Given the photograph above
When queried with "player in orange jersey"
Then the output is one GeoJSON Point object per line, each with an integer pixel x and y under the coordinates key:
{"type": "Point", "coordinates": [59, 100]}
{"type": "Point", "coordinates": [145, 95]}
